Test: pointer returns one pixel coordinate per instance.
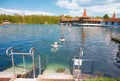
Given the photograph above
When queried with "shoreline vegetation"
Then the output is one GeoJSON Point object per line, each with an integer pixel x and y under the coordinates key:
{"type": "Point", "coordinates": [101, 79]}
{"type": "Point", "coordinates": [29, 19]}
{"type": "Point", "coordinates": [35, 19]}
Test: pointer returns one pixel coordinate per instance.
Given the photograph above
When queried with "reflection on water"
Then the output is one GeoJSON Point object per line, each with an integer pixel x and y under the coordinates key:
{"type": "Point", "coordinates": [117, 63]}
{"type": "Point", "coordinates": [54, 49]}
{"type": "Point", "coordinates": [95, 41]}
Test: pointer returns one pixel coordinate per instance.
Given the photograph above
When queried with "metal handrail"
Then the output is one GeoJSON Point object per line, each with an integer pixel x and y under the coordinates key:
{"type": "Point", "coordinates": [78, 63]}
{"type": "Point", "coordinates": [81, 53]}
{"type": "Point", "coordinates": [39, 64]}
{"type": "Point", "coordinates": [9, 52]}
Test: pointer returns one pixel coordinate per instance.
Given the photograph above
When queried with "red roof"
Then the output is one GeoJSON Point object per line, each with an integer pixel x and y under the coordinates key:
{"type": "Point", "coordinates": [72, 19]}
{"type": "Point", "coordinates": [94, 19]}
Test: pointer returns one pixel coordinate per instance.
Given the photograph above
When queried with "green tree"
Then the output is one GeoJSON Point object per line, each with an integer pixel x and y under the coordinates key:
{"type": "Point", "coordinates": [68, 16]}
{"type": "Point", "coordinates": [106, 16]}
{"type": "Point", "coordinates": [98, 17]}
{"type": "Point", "coordinates": [30, 19]}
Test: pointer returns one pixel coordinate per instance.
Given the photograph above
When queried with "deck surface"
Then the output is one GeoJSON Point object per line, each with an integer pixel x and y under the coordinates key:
{"type": "Point", "coordinates": [25, 79]}
{"type": "Point", "coordinates": [55, 77]}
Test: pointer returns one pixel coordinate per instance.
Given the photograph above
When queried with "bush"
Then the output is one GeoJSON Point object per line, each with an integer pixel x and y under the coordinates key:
{"type": "Point", "coordinates": [101, 79]}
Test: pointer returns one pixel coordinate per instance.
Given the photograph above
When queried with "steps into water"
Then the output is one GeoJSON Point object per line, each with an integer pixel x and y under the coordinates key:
{"type": "Point", "coordinates": [6, 76]}
{"type": "Point", "coordinates": [49, 77]}
{"type": "Point", "coordinates": [55, 77]}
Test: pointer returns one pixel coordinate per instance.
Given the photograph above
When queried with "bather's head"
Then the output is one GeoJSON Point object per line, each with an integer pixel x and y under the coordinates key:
{"type": "Point", "coordinates": [55, 42]}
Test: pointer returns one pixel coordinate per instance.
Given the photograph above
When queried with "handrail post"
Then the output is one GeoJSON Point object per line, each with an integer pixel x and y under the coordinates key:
{"type": "Point", "coordinates": [32, 53]}
{"type": "Point", "coordinates": [24, 62]}
{"type": "Point", "coordinates": [12, 57]}
{"type": "Point", "coordinates": [39, 65]}
{"type": "Point", "coordinates": [74, 67]}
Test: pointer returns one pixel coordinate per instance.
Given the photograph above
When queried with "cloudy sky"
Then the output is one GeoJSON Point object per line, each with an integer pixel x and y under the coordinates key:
{"type": "Point", "coordinates": [58, 7]}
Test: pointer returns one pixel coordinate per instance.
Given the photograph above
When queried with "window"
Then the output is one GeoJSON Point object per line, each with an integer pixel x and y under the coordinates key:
{"type": "Point", "coordinates": [106, 23]}
{"type": "Point", "coordinates": [112, 23]}
{"type": "Point", "coordinates": [118, 23]}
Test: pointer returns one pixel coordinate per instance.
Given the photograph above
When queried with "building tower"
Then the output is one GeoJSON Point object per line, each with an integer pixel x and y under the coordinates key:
{"type": "Point", "coordinates": [84, 13]}
{"type": "Point", "coordinates": [114, 16]}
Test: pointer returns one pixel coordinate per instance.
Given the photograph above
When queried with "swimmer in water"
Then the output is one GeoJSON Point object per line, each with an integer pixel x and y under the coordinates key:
{"type": "Point", "coordinates": [62, 39]}
{"type": "Point", "coordinates": [55, 45]}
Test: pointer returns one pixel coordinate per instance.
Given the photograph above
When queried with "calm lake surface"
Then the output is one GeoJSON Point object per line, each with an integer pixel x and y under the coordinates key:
{"type": "Point", "coordinates": [95, 41]}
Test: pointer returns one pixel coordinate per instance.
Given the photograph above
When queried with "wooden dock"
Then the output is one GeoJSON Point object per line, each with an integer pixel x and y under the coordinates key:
{"type": "Point", "coordinates": [116, 38]}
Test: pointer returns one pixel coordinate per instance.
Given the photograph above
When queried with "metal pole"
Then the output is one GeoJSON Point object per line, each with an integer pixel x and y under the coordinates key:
{"type": "Point", "coordinates": [74, 66]}
{"type": "Point", "coordinates": [24, 62]}
{"type": "Point", "coordinates": [33, 65]}
{"type": "Point", "coordinates": [13, 65]}
{"type": "Point", "coordinates": [92, 66]}
{"type": "Point", "coordinates": [39, 65]}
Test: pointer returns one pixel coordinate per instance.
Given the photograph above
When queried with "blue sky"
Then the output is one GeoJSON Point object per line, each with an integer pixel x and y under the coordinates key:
{"type": "Point", "coordinates": [58, 7]}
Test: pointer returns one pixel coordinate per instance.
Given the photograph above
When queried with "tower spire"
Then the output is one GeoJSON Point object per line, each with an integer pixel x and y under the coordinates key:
{"type": "Point", "coordinates": [114, 16]}
{"type": "Point", "coordinates": [84, 13]}
{"type": "Point", "coordinates": [62, 16]}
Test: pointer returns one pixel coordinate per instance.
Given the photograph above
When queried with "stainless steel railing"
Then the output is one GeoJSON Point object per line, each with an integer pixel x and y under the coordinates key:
{"type": "Point", "coordinates": [10, 52]}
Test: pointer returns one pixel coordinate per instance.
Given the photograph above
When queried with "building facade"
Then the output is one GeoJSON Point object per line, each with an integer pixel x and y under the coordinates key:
{"type": "Point", "coordinates": [85, 20]}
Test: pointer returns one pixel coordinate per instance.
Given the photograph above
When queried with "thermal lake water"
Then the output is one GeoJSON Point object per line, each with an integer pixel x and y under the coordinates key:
{"type": "Point", "coordinates": [95, 41]}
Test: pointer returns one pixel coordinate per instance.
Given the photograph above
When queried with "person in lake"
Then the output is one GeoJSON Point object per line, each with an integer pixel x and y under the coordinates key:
{"type": "Point", "coordinates": [55, 45]}
{"type": "Point", "coordinates": [62, 39]}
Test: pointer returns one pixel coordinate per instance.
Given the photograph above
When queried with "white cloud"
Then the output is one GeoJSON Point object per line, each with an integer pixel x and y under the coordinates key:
{"type": "Point", "coordinates": [110, 1]}
{"type": "Point", "coordinates": [94, 8]}
{"type": "Point", "coordinates": [82, 1]}
{"type": "Point", "coordinates": [67, 4]}
{"type": "Point", "coordinates": [104, 9]}
{"type": "Point", "coordinates": [22, 12]}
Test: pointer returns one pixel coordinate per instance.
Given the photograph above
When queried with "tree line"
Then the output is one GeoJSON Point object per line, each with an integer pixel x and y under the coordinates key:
{"type": "Point", "coordinates": [36, 19]}
{"type": "Point", "coordinates": [30, 19]}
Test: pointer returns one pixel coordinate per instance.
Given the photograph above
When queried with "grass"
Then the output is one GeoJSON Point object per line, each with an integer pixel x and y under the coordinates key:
{"type": "Point", "coordinates": [102, 79]}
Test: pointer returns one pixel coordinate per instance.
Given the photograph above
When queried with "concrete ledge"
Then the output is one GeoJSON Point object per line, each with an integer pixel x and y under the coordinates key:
{"type": "Point", "coordinates": [55, 77]}
{"type": "Point", "coordinates": [25, 79]}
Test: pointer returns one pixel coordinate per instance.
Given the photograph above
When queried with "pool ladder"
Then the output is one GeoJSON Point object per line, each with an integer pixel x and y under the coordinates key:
{"type": "Point", "coordinates": [10, 52]}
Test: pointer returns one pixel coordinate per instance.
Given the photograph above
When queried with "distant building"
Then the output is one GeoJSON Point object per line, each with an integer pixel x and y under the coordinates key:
{"type": "Point", "coordinates": [85, 20]}
{"type": "Point", "coordinates": [111, 21]}
{"type": "Point", "coordinates": [6, 22]}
